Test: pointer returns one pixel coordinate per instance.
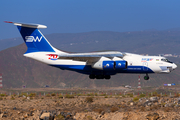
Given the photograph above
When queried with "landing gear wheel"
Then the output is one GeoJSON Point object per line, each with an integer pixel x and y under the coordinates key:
{"type": "Point", "coordinates": [107, 77]}
{"type": "Point", "coordinates": [146, 77]}
{"type": "Point", "coordinates": [99, 76]}
{"type": "Point", "coordinates": [92, 76]}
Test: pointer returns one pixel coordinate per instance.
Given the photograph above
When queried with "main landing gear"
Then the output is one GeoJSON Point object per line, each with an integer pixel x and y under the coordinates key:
{"type": "Point", "coordinates": [146, 77]}
{"type": "Point", "coordinates": [92, 76]}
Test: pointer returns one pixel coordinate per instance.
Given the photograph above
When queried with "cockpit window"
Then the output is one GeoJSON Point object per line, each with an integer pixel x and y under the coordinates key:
{"type": "Point", "coordinates": [166, 60]}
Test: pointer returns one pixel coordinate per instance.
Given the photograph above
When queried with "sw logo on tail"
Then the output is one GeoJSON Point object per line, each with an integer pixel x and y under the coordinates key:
{"type": "Point", "coordinates": [98, 65]}
{"type": "Point", "coordinates": [31, 39]}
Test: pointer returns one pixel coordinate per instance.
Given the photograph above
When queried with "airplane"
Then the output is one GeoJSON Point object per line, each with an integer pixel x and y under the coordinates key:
{"type": "Point", "coordinates": [98, 65]}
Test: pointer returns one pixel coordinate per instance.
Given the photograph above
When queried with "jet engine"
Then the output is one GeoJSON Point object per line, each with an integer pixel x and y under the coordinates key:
{"type": "Point", "coordinates": [108, 64]}
{"type": "Point", "coordinates": [119, 63]}
{"type": "Point", "coordinates": [104, 64]}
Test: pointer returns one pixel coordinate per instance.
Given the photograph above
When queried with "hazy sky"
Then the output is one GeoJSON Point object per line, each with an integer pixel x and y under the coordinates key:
{"type": "Point", "coordinates": [73, 16]}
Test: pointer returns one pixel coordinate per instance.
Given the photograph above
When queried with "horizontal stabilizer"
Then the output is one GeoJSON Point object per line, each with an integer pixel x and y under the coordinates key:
{"type": "Point", "coordinates": [34, 39]}
{"type": "Point", "coordinates": [27, 25]}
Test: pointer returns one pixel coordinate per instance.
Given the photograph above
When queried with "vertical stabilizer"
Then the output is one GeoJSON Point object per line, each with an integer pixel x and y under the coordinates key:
{"type": "Point", "coordinates": [34, 39]}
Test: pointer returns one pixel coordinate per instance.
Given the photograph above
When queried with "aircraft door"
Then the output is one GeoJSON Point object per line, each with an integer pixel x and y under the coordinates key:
{"type": "Point", "coordinates": [145, 66]}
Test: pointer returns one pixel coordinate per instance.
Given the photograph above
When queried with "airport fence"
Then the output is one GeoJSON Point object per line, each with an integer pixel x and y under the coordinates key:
{"type": "Point", "coordinates": [123, 94]}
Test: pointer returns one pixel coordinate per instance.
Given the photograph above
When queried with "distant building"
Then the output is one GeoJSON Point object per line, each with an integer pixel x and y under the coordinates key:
{"type": "Point", "coordinates": [127, 86]}
{"type": "Point", "coordinates": [169, 84]}
{"type": "Point", "coordinates": [167, 55]}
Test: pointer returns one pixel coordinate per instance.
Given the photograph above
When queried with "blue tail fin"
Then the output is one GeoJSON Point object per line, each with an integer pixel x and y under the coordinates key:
{"type": "Point", "coordinates": [34, 39]}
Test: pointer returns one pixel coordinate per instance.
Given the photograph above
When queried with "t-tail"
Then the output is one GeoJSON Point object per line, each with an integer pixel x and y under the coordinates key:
{"type": "Point", "coordinates": [34, 39]}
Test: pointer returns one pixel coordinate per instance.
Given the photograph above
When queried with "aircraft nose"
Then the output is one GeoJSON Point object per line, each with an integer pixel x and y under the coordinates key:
{"type": "Point", "coordinates": [174, 66]}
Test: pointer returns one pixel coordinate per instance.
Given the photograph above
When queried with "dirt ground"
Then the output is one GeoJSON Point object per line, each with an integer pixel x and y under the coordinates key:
{"type": "Point", "coordinates": [89, 107]}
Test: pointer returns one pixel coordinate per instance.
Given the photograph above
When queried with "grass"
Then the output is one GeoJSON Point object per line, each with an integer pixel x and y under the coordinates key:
{"type": "Point", "coordinates": [80, 95]}
{"type": "Point", "coordinates": [130, 94]}
{"type": "Point", "coordinates": [32, 95]}
{"type": "Point", "coordinates": [142, 95]}
{"type": "Point", "coordinates": [60, 96]}
{"type": "Point", "coordinates": [59, 117]}
{"type": "Point", "coordinates": [90, 94]}
{"type": "Point", "coordinates": [106, 96]}
{"type": "Point", "coordinates": [3, 95]}
{"type": "Point", "coordinates": [135, 99]}
{"type": "Point", "coordinates": [53, 94]}
{"type": "Point", "coordinates": [154, 93]}
{"type": "Point", "coordinates": [89, 99]}
{"type": "Point", "coordinates": [12, 98]}
{"type": "Point", "coordinates": [23, 94]}
{"type": "Point", "coordinates": [89, 117]}
{"type": "Point", "coordinates": [102, 94]}
{"type": "Point", "coordinates": [69, 96]}
{"type": "Point", "coordinates": [48, 95]}
{"type": "Point", "coordinates": [165, 95]}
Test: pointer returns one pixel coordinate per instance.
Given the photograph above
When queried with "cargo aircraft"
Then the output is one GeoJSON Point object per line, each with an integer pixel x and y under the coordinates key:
{"type": "Point", "coordinates": [98, 65]}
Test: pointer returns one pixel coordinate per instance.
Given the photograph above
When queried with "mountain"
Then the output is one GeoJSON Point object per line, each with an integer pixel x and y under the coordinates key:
{"type": "Point", "coordinates": [7, 43]}
{"type": "Point", "coordinates": [18, 70]}
{"type": "Point", "coordinates": [141, 42]}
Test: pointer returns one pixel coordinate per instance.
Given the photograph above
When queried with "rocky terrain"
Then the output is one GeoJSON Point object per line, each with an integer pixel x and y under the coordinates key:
{"type": "Point", "coordinates": [89, 107]}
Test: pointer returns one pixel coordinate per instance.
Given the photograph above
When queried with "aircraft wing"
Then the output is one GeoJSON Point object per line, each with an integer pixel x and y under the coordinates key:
{"type": "Point", "coordinates": [91, 57]}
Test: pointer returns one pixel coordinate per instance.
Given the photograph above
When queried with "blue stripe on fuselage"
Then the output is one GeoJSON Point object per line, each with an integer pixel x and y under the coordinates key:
{"type": "Point", "coordinates": [87, 69]}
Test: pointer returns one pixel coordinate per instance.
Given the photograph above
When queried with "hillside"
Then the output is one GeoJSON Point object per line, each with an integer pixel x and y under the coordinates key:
{"type": "Point", "coordinates": [141, 42]}
{"type": "Point", "coordinates": [18, 70]}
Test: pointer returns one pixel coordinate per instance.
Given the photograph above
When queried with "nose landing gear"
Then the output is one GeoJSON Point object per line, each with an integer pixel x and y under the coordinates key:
{"type": "Point", "coordinates": [146, 77]}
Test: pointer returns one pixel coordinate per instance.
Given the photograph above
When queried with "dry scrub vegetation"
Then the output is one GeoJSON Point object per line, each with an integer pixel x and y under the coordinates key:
{"type": "Point", "coordinates": [89, 107]}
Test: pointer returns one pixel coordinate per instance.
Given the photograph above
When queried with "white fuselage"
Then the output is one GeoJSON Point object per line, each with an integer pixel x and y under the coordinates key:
{"type": "Point", "coordinates": [136, 63]}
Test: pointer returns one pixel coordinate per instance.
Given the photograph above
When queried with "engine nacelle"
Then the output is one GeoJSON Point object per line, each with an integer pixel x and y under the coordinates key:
{"type": "Point", "coordinates": [104, 65]}
{"type": "Point", "coordinates": [119, 65]}
{"type": "Point", "coordinates": [108, 64]}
